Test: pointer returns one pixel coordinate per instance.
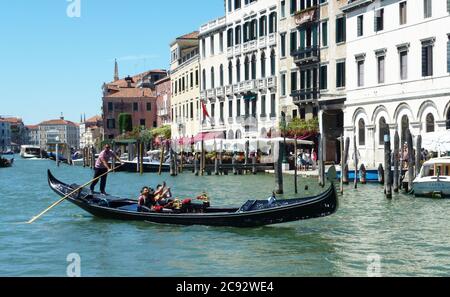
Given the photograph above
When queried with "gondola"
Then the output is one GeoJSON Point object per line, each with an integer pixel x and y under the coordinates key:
{"type": "Point", "coordinates": [5, 163]}
{"type": "Point", "coordinates": [253, 213]}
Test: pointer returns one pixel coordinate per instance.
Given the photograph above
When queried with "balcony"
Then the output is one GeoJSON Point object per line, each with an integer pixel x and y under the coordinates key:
{"type": "Point", "coordinates": [229, 91]}
{"type": "Point", "coordinates": [249, 86]}
{"type": "Point", "coordinates": [203, 95]}
{"type": "Point", "coordinates": [220, 92]}
{"type": "Point", "coordinates": [230, 121]}
{"type": "Point", "coordinates": [162, 112]}
{"type": "Point", "coordinates": [272, 82]}
{"type": "Point", "coordinates": [236, 88]}
{"type": "Point", "coordinates": [262, 41]}
{"type": "Point", "coordinates": [307, 15]}
{"type": "Point", "coordinates": [250, 123]}
{"type": "Point", "coordinates": [249, 46]}
{"type": "Point", "coordinates": [237, 49]}
{"type": "Point", "coordinates": [262, 84]}
{"type": "Point", "coordinates": [305, 96]}
{"type": "Point", "coordinates": [272, 39]}
{"type": "Point", "coordinates": [305, 56]}
{"type": "Point", "coordinates": [211, 93]}
{"type": "Point", "coordinates": [230, 52]}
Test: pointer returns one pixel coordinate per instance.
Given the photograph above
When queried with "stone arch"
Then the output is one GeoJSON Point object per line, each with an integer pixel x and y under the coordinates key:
{"type": "Point", "coordinates": [446, 110]}
{"type": "Point", "coordinates": [360, 113]}
{"type": "Point", "coordinates": [403, 108]}
{"type": "Point", "coordinates": [380, 109]}
{"type": "Point", "coordinates": [426, 106]}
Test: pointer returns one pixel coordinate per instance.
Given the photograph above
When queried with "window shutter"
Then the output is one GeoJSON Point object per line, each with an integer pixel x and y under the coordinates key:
{"type": "Point", "coordinates": [375, 21]}
{"type": "Point", "coordinates": [302, 38]}
{"type": "Point", "coordinates": [359, 26]}
{"type": "Point", "coordinates": [382, 70]}
{"type": "Point", "coordinates": [314, 36]}
{"type": "Point", "coordinates": [448, 6]}
{"type": "Point", "coordinates": [448, 53]}
{"type": "Point", "coordinates": [424, 61]}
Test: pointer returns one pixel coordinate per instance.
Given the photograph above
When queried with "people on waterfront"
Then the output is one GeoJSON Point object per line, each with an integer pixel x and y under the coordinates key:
{"type": "Point", "coordinates": [102, 168]}
{"type": "Point", "coordinates": [405, 156]}
{"type": "Point", "coordinates": [314, 159]}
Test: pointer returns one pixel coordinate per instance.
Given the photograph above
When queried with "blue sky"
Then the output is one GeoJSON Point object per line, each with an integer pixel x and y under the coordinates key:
{"type": "Point", "coordinates": [50, 63]}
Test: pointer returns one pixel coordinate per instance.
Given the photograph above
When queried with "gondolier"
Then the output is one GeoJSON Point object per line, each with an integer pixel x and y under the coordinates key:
{"type": "Point", "coordinates": [102, 167]}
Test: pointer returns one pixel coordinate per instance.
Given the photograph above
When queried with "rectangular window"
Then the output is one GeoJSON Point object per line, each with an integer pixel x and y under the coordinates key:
{"type": "Point", "coordinates": [293, 6]}
{"type": "Point", "coordinates": [293, 41]}
{"type": "Point", "coordinates": [230, 108]}
{"type": "Point", "coordinates": [263, 105]}
{"type": "Point", "coordinates": [196, 78]}
{"type": "Point", "coordinates": [323, 77]}
{"type": "Point", "coordinates": [403, 13]}
{"type": "Point", "coordinates": [211, 39]}
{"type": "Point", "coordinates": [340, 74]}
{"type": "Point", "coordinates": [379, 20]}
{"type": "Point", "coordinates": [191, 111]}
{"type": "Point", "coordinates": [192, 79]}
{"type": "Point", "coordinates": [149, 106]}
{"type": "Point", "coordinates": [427, 60]}
{"type": "Point", "coordinates": [340, 29]}
{"type": "Point", "coordinates": [238, 107]}
{"type": "Point", "coordinates": [213, 110]}
{"type": "Point", "coordinates": [448, 6]}
{"type": "Point", "coordinates": [135, 106]}
{"type": "Point", "coordinates": [360, 25]}
{"type": "Point", "coordinates": [272, 106]}
{"type": "Point", "coordinates": [283, 45]}
{"type": "Point", "coordinates": [360, 73]}
{"type": "Point", "coordinates": [302, 113]}
{"type": "Point", "coordinates": [221, 42]}
{"type": "Point", "coordinates": [427, 9]}
{"type": "Point", "coordinates": [403, 65]}
{"type": "Point", "coordinates": [110, 106]}
{"type": "Point", "coordinates": [142, 122]}
{"type": "Point", "coordinates": [283, 84]}
{"type": "Point", "coordinates": [380, 62]}
{"type": "Point", "coordinates": [221, 111]}
{"type": "Point", "coordinates": [283, 8]}
{"type": "Point", "coordinates": [293, 81]}
{"type": "Point", "coordinates": [111, 124]}
{"type": "Point", "coordinates": [325, 34]}
{"type": "Point", "coordinates": [203, 48]}
{"type": "Point", "coordinates": [448, 51]}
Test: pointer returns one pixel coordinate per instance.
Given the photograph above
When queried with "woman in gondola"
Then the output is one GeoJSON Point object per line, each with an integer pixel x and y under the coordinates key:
{"type": "Point", "coordinates": [146, 200]}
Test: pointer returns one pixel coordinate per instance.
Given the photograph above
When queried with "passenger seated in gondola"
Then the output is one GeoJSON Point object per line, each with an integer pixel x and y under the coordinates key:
{"type": "Point", "coordinates": [163, 195]}
{"type": "Point", "coordinates": [146, 200]}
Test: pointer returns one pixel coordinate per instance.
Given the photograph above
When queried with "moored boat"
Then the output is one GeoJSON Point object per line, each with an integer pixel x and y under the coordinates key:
{"type": "Point", "coordinates": [434, 179]}
{"type": "Point", "coordinates": [5, 163]}
{"type": "Point", "coordinates": [252, 214]}
{"type": "Point", "coordinates": [30, 151]}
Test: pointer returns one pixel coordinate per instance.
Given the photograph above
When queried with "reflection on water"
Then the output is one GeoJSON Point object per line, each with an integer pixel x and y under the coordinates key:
{"type": "Point", "coordinates": [410, 235]}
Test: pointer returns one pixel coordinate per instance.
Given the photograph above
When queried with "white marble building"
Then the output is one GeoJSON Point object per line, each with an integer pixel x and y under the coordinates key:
{"type": "Point", "coordinates": [398, 71]}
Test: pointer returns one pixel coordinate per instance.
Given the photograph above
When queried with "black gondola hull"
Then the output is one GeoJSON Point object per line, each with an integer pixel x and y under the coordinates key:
{"type": "Point", "coordinates": [308, 208]}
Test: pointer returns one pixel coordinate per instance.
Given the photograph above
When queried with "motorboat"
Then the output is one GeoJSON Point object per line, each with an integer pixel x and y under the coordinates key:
{"type": "Point", "coordinates": [434, 179]}
{"type": "Point", "coordinates": [30, 151]}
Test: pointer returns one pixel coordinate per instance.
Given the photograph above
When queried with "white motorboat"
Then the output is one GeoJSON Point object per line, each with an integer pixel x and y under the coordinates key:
{"type": "Point", "coordinates": [434, 179]}
{"type": "Point", "coordinates": [30, 151]}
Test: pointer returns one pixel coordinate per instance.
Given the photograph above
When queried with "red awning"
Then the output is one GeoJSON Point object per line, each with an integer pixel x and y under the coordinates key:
{"type": "Point", "coordinates": [208, 136]}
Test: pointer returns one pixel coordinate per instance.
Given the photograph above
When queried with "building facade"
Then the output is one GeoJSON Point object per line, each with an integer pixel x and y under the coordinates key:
{"type": "Point", "coordinates": [398, 71]}
{"type": "Point", "coordinates": [19, 133]}
{"type": "Point", "coordinates": [239, 60]}
{"type": "Point", "coordinates": [59, 131]}
{"type": "Point", "coordinates": [133, 95]}
{"type": "Point", "coordinates": [5, 135]}
{"type": "Point", "coordinates": [33, 135]}
{"type": "Point", "coordinates": [91, 132]}
{"type": "Point", "coordinates": [163, 90]}
{"type": "Point", "coordinates": [185, 80]}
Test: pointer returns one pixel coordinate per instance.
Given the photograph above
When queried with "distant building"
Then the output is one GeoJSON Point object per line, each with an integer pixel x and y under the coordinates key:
{"type": "Point", "coordinates": [91, 132]}
{"type": "Point", "coordinates": [163, 96]}
{"type": "Point", "coordinates": [33, 134]}
{"type": "Point", "coordinates": [5, 135]}
{"type": "Point", "coordinates": [133, 95]}
{"type": "Point", "coordinates": [59, 131]}
{"type": "Point", "coordinates": [185, 78]}
{"type": "Point", "coordinates": [19, 133]}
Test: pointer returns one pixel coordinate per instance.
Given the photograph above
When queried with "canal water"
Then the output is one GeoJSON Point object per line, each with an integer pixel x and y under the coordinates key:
{"type": "Point", "coordinates": [409, 237]}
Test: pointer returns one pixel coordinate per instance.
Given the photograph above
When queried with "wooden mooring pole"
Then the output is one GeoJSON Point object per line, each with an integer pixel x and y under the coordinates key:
{"type": "Point", "coordinates": [355, 152]}
{"type": "Point", "coordinates": [396, 181]}
{"type": "Point", "coordinates": [342, 164]}
{"type": "Point", "coordinates": [418, 155]}
{"type": "Point", "coordinates": [278, 159]}
{"type": "Point", "coordinates": [411, 161]}
{"type": "Point", "coordinates": [295, 167]}
{"type": "Point", "coordinates": [387, 166]}
{"type": "Point", "coordinates": [345, 169]}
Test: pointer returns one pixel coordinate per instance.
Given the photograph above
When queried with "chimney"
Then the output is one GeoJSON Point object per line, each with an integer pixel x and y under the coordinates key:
{"type": "Point", "coordinates": [116, 71]}
{"type": "Point", "coordinates": [62, 116]}
{"type": "Point", "coordinates": [129, 80]}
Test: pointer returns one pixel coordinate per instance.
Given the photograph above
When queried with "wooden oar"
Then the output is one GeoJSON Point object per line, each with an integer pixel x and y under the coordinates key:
{"type": "Point", "coordinates": [65, 197]}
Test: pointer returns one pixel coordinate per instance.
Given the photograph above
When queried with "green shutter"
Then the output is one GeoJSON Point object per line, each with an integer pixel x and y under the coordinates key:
{"type": "Point", "coordinates": [314, 35]}
{"type": "Point", "coordinates": [325, 33]}
{"type": "Point", "coordinates": [302, 38]}
{"type": "Point", "coordinates": [448, 6]}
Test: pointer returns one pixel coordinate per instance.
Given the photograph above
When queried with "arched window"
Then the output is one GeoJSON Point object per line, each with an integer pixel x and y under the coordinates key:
{"type": "Point", "coordinates": [448, 120]}
{"type": "Point", "coordinates": [383, 129]}
{"type": "Point", "coordinates": [272, 63]}
{"type": "Point", "coordinates": [263, 26]}
{"type": "Point", "coordinates": [238, 70]}
{"type": "Point", "coordinates": [254, 67]}
{"type": "Point", "coordinates": [430, 123]}
{"type": "Point", "coordinates": [230, 37]}
{"type": "Point", "coordinates": [221, 75]}
{"type": "Point", "coordinates": [362, 132]}
{"type": "Point", "coordinates": [273, 22]}
{"type": "Point", "coordinates": [238, 35]}
{"type": "Point", "coordinates": [230, 134]}
{"type": "Point", "coordinates": [247, 69]}
{"type": "Point", "coordinates": [246, 32]}
{"type": "Point", "coordinates": [238, 134]}
{"type": "Point", "coordinates": [263, 65]}
{"type": "Point", "coordinates": [405, 127]}
{"type": "Point", "coordinates": [204, 79]}
{"type": "Point", "coordinates": [230, 73]}
{"type": "Point", "coordinates": [212, 78]}
{"type": "Point", "coordinates": [253, 30]}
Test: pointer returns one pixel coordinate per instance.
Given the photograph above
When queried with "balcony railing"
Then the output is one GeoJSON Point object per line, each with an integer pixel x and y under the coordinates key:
{"type": "Point", "coordinates": [237, 49]}
{"type": "Point", "coordinates": [262, 41]}
{"type": "Point", "coordinates": [272, 82]}
{"type": "Point", "coordinates": [272, 39]}
{"type": "Point", "coordinates": [228, 90]}
{"type": "Point", "coordinates": [163, 112]}
{"type": "Point", "coordinates": [211, 93]}
{"type": "Point", "coordinates": [236, 88]}
{"type": "Point", "coordinates": [305, 96]}
{"type": "Point", "coordinates": [230, 52]}
{"type": "Point", "coordinates": [262, 84]}
{"type": "Point", "coordinates": [203, 95]}
{"type": "Point", "coordinates": [220, 92]}
{"type": "Point", "coordinates": [306, 55]}
{"type": "Point", "coordinates": [249, 85]}
{"type": "Point", "coordinates": [307, 15]}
